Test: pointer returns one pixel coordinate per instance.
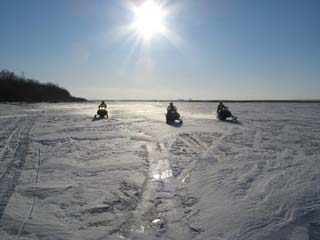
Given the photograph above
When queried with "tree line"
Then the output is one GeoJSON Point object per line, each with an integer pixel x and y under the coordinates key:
{"type": "Point", "coordinates": [15, 88]}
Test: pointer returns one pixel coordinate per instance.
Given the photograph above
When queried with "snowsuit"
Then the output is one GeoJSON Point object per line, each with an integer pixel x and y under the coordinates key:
{"type": "Point", "coordinates": [172, 113]}
{"type": "Point", "coordinates": [172, 108]}
{"type": "Point", "coordinates": [221, 107]}
{"type": "Point", "coordinates": [223, 112]}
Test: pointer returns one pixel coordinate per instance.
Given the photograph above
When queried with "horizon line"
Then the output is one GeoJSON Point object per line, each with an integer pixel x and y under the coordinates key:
{"type": "Point", "coordinates": [212, 100]}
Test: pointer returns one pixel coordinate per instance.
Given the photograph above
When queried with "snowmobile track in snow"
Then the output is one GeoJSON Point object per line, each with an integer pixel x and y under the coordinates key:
{"type": "Point", "coordinates": [160, 199]}
{"type": "Point", "coordinates": [7, 135]}
{"type": "Point", "coordinates": [14, 155]}
{"type": "Point", "coordinates": [147, 217]}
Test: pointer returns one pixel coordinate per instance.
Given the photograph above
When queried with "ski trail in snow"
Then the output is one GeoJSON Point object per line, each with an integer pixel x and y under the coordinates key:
{"type": "Point", "coordinates": [257, 138]}
{"type": "Point", "coordinates": [148, 219]}
{"type": "Point", "coordinates": [10, 135]}
{"type": "Point", "coordinates": [9, 148]}
{"type": "Point", "coordinates": [18, 143]}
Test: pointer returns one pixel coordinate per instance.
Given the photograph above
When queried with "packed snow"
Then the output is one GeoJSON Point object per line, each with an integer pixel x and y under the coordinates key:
{"type": "Point", "coordinates": [132, 176]}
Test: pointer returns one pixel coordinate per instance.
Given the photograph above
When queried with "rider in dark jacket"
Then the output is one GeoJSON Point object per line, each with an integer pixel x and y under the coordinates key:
{"type": "Point", "coordinates": [224, 112]}
{"type": "Point", "coordinates": [172, 113]}
{"type": "Point", "coordinates": [221, 107]}
{"type": "Point", "coordinates": [172, 108]}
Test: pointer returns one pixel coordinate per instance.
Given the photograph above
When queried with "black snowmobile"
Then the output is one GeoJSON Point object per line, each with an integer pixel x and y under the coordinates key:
{"type": "Point", "coordinates": [173, 117]}
{"type": "Point", "coordinates": [101, 113]}
{"type": "Point", "coordinates": [225, 113]}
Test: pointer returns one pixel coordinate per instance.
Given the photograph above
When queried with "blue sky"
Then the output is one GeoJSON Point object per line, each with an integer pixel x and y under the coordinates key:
{"type": "Point", "coordinates": [230, 49]}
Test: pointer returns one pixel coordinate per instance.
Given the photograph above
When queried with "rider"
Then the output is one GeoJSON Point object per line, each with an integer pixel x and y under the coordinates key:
{"type": "Point", "coordinates": [103, 105]}
{"type": "Point", "coordinates": [172, 108]}
{"type": "Point", "coordinates": [221, 107]}
{"type": "Point", "coordinates": [172, 112]}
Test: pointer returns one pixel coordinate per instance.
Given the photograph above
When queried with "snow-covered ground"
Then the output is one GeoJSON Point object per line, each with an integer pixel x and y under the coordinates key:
{"type": "Point", "coordinates": [135, 177]}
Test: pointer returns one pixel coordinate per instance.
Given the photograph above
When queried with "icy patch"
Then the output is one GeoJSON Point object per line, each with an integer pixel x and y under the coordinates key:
{"type": "Point", "coordinates": [163, 174]}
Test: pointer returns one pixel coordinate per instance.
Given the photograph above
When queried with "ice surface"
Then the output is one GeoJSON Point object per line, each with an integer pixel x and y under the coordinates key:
{"type": "Point", "coordinates": [134, 177]}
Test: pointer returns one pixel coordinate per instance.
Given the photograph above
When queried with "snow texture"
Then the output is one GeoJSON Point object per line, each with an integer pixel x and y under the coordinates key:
{"type": "Point", "coordinates": [134, 177]}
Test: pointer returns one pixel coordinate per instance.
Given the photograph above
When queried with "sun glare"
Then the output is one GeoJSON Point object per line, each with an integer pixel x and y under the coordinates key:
{"type": "Point", "coordinates": [149, 19]}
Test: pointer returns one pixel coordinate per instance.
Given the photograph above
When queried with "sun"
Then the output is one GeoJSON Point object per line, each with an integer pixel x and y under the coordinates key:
{"type": "Point", "coordinates": [149, 19]}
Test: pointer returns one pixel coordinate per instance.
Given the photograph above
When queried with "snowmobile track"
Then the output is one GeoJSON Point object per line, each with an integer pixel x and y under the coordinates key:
{"type": "Point", "coordinates": [8, 135]}
{"type": "Point", "coordinates": [18, 143]}
{"type": "Point", "coordinates": [146, 212]}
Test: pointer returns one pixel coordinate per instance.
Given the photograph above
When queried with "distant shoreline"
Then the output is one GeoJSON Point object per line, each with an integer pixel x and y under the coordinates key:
{"type": "Point", "coordinates": [216, 101]}
{"type": "Point", "coordinates": [167, 101]}
{"type": "Point", "coordinates": [15, 88]}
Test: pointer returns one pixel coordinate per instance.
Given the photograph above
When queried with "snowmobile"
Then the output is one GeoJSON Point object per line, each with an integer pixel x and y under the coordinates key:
{"type": "Point", "coordinates": [102, 113]}
{"type": "Point", "coordinates": [173, 117]}
{"type": "Point", "coordinates": [224, 114]}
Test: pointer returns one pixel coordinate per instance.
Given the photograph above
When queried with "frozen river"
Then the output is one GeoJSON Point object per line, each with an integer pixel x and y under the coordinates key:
{"type": "Point", "coordinates": [134, 177]}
